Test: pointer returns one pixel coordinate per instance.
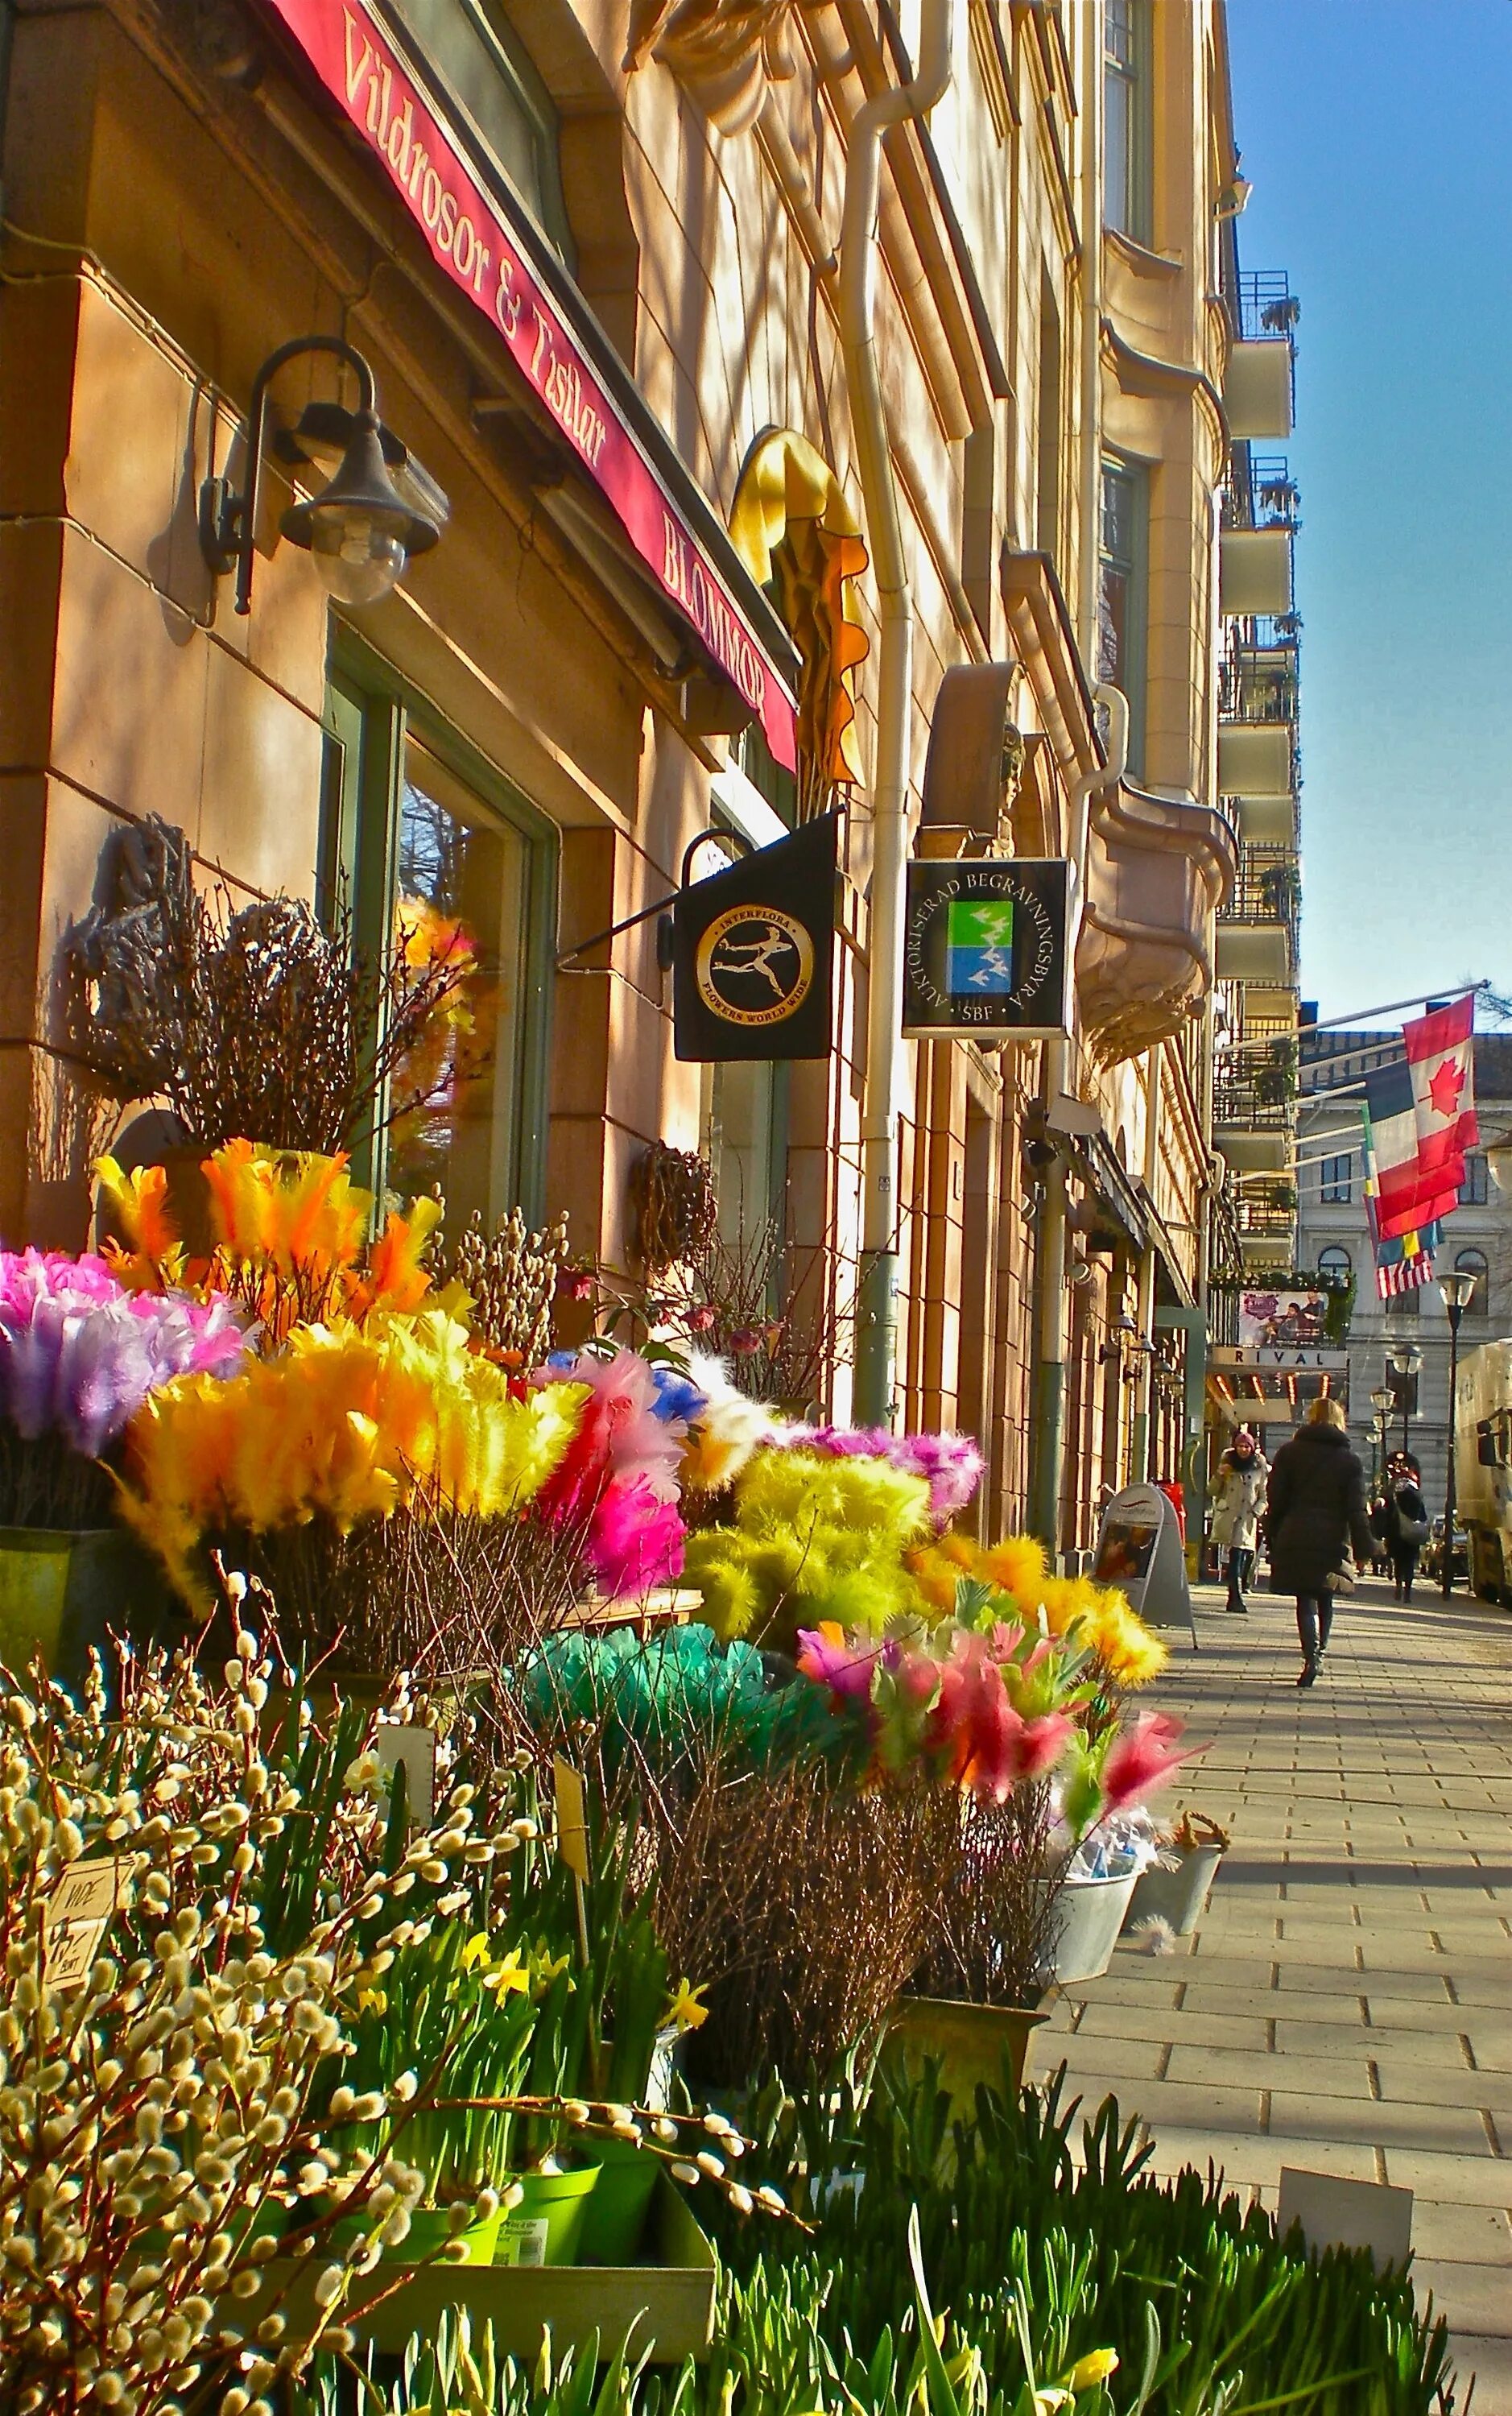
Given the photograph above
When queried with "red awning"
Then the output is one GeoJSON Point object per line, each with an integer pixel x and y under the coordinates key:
{"type": "Point", "coordinates": [481, 240]}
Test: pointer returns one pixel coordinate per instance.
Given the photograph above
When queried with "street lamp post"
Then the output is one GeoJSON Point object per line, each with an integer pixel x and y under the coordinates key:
{"type": "Point", "coordinates": [1383, 1401]}
{"type": "Point", "coordinates": [1404, 1362]}
{"type": "Point", "coordinates": [1459, 1291]}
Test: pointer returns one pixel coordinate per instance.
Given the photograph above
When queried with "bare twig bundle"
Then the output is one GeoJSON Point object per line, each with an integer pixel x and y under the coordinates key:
{"type": "Point", "coordinates": [804, 1905]}
{"type": "Point", "coordinates": [455, 1600]}
{"type": "Point", "coordinates": [266, 1022]}
{"type": "Point", "coordinates": [992, 1934]}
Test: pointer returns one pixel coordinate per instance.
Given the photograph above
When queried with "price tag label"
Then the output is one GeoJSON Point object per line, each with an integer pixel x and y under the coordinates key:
{"type": "Point", "coordinates": [572, 1817]}
{"type": "Point", "coordinates": [76, 1917]}
{"type": "Point", "coordinates": [400, 1744]}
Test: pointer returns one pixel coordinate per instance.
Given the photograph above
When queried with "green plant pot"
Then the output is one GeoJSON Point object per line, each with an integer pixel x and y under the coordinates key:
{"type": "Point", "coordinates": [546, 2226]}
{"type": "Point", "coordinates": [60, 1591]}
{"type": "Point", "coordinates": [430, 2232]}
{"type": "Point", "coordinates": [972, 2044]}
{"type": "Point", "coordinates": [614, 2222]}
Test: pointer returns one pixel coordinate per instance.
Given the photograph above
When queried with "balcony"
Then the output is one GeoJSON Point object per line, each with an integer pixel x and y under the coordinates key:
{"type": "Point", "coordinates": [1257, 388]}
{"type": "Point", "coordinates": [1158, 871]}
{"type": "Point", "coordinates": [1264, 821]}
{"type": "Point", "coordinates": [1257, 926]}
{"type": "Point", "coordinates": [1254, 570]}
{"type": "Point", "coordinates": [1254, 1120]}
{"type": "Point", "coordinates": [1265, 1215]}
{"type": "Point", "coordinates": [1257, 685]}
{"type": "Point", "coordinates": [1256, 759]}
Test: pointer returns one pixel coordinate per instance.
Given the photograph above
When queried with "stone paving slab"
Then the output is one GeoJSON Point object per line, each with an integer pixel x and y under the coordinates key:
{"type": "Point", "coordinates": [1346, 2002]}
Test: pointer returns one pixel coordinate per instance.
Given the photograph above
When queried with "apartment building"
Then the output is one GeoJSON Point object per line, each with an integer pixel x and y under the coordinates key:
{"type": "Point", "coordinates": [847, 408]}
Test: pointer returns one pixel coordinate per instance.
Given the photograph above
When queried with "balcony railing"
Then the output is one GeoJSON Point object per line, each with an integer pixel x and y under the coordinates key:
{"type": "Point", "coordinates": [1251, 1106]}
{"type": "Point", "coordinates": [1258, 684]}
{"type": "Point", "coordinates": [1267, 305]}
{"type": "Point", "coordinates": [1262, 1217]}
{"type": "Point", "coordinates": [1267, 890]}
{"type": "Point", "coordinates": [1260, 492]}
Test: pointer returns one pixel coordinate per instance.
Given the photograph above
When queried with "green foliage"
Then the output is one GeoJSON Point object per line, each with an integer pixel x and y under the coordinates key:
{"type": "Point", "coordinates": [987, 2271]}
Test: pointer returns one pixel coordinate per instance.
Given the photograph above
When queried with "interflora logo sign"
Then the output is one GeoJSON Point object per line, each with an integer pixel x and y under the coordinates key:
{"type": "Point", "coordinates": [752, 952]}
{"type": "Point", "coordinates": [987, 947]}
{"type": "Point", "coordinates": [474, 240]}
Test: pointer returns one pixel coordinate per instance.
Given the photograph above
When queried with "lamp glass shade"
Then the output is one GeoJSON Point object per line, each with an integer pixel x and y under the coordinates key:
{"type": "Point", "coordinates": [1405, 1361]}
{"type": "Point", "coordinates": [359, 530]}
{"type": "Point", "coordinates": [1499, 1160]}
{"type": "Point", "coordinates": [1458, 1290]}
{"type": "Point", "coordinates": [1383, 1401]}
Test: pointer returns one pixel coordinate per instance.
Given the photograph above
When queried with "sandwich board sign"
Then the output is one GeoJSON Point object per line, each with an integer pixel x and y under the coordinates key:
{"type": "Point", "coordinates": [1140, 1552]}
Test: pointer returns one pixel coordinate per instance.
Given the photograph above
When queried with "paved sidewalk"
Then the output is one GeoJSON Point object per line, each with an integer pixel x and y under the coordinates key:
{"type": "Point", "coordinates": [1346, 2003]}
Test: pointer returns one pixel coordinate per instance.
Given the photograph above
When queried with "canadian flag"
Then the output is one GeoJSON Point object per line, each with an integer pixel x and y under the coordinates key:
{"type": "Point", "coordinates": [1440, 1057]}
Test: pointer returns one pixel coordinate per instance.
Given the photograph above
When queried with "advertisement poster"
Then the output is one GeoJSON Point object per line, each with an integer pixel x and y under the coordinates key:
{"type": "Point", "coordinates": [1282, 1320]}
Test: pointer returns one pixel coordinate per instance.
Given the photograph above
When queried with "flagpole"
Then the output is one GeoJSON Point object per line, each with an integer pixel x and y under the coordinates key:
{"type": "Point", "coordinates": [1363, 1014]}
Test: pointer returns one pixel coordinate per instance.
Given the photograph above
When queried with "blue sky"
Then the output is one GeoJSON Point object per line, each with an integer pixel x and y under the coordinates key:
{"type": "Point", "coordinates": [1375, 135]}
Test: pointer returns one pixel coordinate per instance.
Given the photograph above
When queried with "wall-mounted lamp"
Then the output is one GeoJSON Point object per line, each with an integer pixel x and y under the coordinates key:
{"type": "Point", "coordinates": [1232, 200]}
{"type": "Point", "coordinates": [359, 530]}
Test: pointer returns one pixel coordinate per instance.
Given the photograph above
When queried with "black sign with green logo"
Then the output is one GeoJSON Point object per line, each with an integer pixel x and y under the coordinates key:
{"type": "Point", "coordinates": [987, 947]}
{"type": "Point", "coordinates": [752, 952]}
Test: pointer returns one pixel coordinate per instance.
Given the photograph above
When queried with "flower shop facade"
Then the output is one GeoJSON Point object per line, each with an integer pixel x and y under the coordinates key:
{"type": "Point", "coordinates": [603, 280]}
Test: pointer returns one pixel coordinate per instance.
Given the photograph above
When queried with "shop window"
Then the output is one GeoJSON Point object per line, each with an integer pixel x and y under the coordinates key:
{"type": "Point", "coordinates": [1334, 1267]}
{"type": "Point", "coordinates": [482, 70]}
{"type": "Point", "coordinates": [1123, 602]}
{"type": "Point", "coordinates": [1473, 1191]}
{"type": "Point", "coordinates": [420, 835]}
{"type": "Point", "coordinates": [1337, 1175]}
{"type": "Point", "coordinates": [1048, 409]}
{"type": "Point", "coordinates": [1127, 129]}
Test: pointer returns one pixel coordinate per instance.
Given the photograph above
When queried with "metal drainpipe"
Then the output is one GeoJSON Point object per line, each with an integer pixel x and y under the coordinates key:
{"type": "Point", "coordinates": [877, 1311]}
{"type": "Point", "coordinates": [1139, 1441]}
{"type": "Point", "coordinates": [1048, 1389]}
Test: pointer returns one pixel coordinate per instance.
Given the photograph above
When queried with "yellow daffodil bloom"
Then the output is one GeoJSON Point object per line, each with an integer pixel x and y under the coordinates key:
{"type": "Point", "coordinates": [1095, 2367]}
{"type": "Point", "coordinates": [372, 2001]}
{"type": "Point", "coordinates": [475, 1952]}
{"type": "Point", "coordinates": [687, 2009]}
{"type": "Point", "coordinates": [509, 1975]}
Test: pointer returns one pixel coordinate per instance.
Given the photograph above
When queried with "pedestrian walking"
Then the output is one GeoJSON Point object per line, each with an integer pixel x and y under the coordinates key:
{"type": "Point", "coordinates": [1405, 1522]}
{"type": "Point", "coordinates": [1243, 1472]}
{"type": "Point", "coordinates": [1317, 1511]}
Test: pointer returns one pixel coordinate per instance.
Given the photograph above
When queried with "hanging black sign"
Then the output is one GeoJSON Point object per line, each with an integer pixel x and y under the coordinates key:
{"type": "Point", "coordinates": [752, 952]}
{"type": "Point", "coordinates": [987, 947]}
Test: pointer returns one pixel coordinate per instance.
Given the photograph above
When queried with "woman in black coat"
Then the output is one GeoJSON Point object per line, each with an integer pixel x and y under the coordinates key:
{"type": "Point", "coordinates": [1317, 1510]}
{"type": "Point", "coordinates": [1405, 1522]}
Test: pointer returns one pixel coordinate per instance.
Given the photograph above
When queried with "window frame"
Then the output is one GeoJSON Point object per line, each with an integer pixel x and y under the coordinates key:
{"type": "Point", "coordinates": [1333, 1258]}
{"type": "Point", "coordinates": [370, 708]}
{"type": "Point", "coordinates": [502, 50]}
{"type": "Point", "coordinates": [1132, 677]}
{"type": "Point", "coordinates": [1475, 1191]}
{"type": "Point", "coordinates": [1336, 1191]}
{"type": "Point", "coordinates": [1133, 213]}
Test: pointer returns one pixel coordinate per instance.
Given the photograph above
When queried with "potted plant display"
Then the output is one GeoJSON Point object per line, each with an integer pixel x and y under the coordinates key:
{"type": "Point", "coordinates": [1174, 1888]}
{"type": "Point", "coordinates": [80, 1357]}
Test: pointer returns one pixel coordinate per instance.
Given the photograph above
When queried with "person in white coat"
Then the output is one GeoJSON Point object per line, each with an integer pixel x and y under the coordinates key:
{"type": "Point", "coordinates": [1243, 1474]}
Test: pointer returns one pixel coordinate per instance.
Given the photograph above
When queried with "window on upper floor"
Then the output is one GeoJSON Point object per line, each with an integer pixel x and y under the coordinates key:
{"type": "Point", "coordinates": [1128, 123]}
{"type": "Point", "coordinates": [1049, 406]}
{"type": "Point", "coordinates": [1123, 592]}
{"type": "Point", "coordinates": [1335, 1266]}
{"type": "Point", "coordinates": [1473, 1191]}
{"type": "Point", "coordinates": [482, 70]}
{"type": "Point", "coordinates": [1338, 1179]}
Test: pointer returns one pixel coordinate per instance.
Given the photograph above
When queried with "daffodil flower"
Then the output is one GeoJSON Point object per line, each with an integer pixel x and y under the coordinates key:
{"type": "Point", "coordinates": [1095, 2367]}
{"type": "Point", "coordinates": [475, 1955]}
{"type": "Point", "coordinates": [687, 2009]}
{"type": "Point", "coordinates": [372, 2001]}
{"type": "Point", "coordinates": [508, 1975]}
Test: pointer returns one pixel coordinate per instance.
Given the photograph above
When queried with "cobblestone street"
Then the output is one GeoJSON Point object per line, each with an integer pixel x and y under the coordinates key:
{"type": "Point", "coordinates": [1346, 2003]}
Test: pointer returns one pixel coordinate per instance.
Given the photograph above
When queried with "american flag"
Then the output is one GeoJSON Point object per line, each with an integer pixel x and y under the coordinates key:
{"type": "Point", "coordinates": [1403, 1275]}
